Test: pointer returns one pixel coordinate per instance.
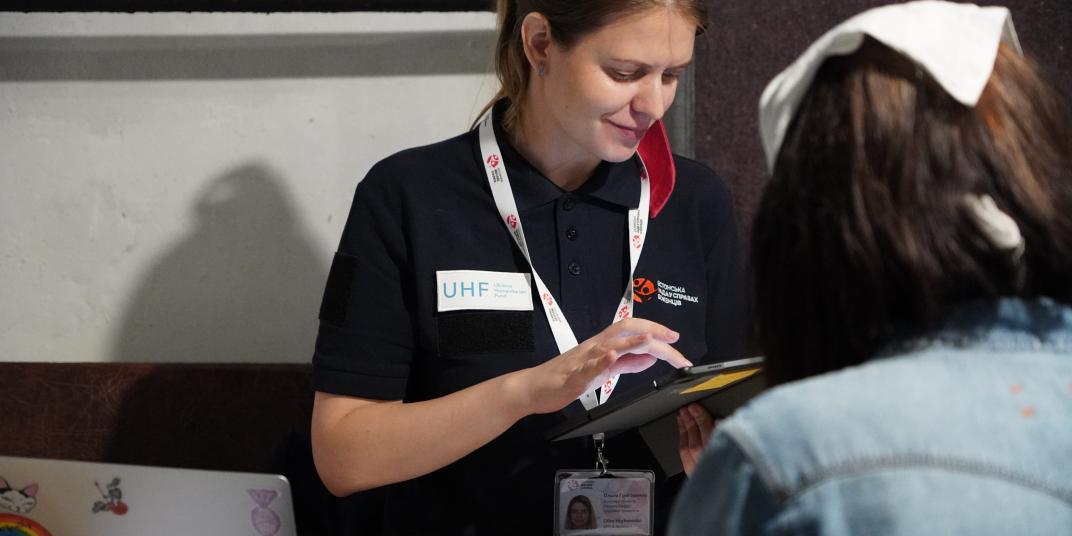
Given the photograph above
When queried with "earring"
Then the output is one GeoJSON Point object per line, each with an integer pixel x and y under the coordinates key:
{"type": "Point", "coordinates": [540, 70]}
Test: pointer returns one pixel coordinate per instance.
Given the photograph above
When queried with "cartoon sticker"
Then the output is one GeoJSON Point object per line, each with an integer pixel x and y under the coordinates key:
{"type": "Point", "coordinates": [265, 521]}
{"type": "Point", "coordinates": [13, 525]}
{"type": "Point", "coordinates": [19, 501]}
{"type": "Point", "coordinates": [113, 499]}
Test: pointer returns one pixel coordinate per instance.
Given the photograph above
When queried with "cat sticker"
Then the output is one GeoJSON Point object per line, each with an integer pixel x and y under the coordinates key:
{"type": "Point", "coordinates": [113, 499]}
{"type": "Point", "coordinates": [19, 501]}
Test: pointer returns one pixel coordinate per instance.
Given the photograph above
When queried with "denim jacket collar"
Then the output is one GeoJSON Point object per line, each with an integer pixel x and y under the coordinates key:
{"type": "Point", "coordinates": [1006, 324]}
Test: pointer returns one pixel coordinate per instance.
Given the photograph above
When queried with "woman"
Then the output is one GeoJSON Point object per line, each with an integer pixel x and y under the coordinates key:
{"type": "Point", "coordinates": [437, 372]}
{"type": "Point", "coordinates": [913, 282]}
{"type": "Point", "coordinates": [579, 512]}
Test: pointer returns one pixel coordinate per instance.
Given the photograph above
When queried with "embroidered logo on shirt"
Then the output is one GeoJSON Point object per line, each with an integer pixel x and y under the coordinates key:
{"type": "Point", "coordinates": [643, 289]}
{"type": "Point", "coordinates": [676, 295]}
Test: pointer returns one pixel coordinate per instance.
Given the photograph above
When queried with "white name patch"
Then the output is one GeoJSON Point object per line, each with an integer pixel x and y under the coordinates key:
{"type": "Point", "coordinates": [460, 290]}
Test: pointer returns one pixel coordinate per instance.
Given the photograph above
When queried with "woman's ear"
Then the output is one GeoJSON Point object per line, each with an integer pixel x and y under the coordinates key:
{"type": "Point", "coordinates": [536, 38]}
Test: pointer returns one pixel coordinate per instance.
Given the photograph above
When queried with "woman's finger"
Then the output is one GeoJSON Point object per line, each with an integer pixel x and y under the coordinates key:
{"type": "Point", "coordinates": [632, 326]}
{"type": "Point", "coordinates": [602, 360]}
{"type": "Point", "coordinates": [695, 436]}
{"type": "Point", "coordinates": [663, 351]}
{"type": "Point", "coordinates": [704, 422]}
{"type": "Point", "coordinates": [646, 344]}
{"type": "Point", "coordinates": [632, 363]}
{"type": "Point", "coordinates": [686, 453]}
{"type": "Point", "coordinates": [608, 351]}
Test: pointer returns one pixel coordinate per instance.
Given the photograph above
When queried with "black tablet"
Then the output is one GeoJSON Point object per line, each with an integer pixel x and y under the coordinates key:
{"type": "Point", "coordinates": [720, 387]}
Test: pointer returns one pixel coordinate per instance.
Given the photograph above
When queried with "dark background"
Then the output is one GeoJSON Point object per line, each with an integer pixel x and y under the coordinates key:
{"type": "Point", "coordinates": [750, 42]}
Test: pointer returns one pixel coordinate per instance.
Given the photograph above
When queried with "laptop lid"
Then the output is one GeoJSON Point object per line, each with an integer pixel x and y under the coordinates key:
{"type": "Point", "coordinates": [41, 497]}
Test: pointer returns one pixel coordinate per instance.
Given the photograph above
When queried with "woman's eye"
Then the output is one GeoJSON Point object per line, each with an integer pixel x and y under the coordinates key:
{"type": "Point", "coordinates": [624, 75]}
{"type": "Point", "coordinates": [670, 77]}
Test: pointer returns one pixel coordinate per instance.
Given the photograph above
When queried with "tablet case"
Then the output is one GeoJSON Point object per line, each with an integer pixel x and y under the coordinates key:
{"type": "Point", "coordinates": [652, 409]}
{"type": "Point", "coordinates": [709, 384]}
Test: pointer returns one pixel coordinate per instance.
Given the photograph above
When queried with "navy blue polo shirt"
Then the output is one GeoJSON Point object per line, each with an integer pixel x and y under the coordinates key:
{"type": "Point", "coordinates": [429, 209]}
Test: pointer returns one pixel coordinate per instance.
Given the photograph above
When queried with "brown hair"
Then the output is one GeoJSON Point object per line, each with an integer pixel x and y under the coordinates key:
{"type": "Point", "coordinates": [570, 21]}
{"type": "Point", "coordinates": [862, 234]}
{"type": "Point", "coordinates": [583, 500]}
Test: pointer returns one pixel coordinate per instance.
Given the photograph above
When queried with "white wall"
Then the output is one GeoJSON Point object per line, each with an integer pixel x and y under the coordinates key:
{"type": "Point", "coordinates": [172, 186]}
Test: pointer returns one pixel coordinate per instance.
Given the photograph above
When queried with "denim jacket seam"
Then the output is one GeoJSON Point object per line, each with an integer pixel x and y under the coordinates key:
{"type": "Point", "coordinates": [765, 472]}
{"type": "Point", "coordinates": [823, 474]}
{"type": "Point", "coordinates": [966, 342]}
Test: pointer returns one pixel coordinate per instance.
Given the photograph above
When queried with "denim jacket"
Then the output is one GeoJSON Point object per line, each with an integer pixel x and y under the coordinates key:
{"type": "Point", "coordinates": [966, 431]}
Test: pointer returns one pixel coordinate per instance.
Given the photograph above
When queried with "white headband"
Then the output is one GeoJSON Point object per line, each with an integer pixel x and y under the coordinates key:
{"type": "Point", "coordinates": [955, 43]}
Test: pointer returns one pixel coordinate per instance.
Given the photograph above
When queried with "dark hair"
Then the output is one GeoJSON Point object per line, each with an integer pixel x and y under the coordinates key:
{"type": "Point", "coordinates": [863, 236]}
{"type": "Point", "coordinates": [581, 499]}
{"type": "Point", "coordinates": [570, 20]}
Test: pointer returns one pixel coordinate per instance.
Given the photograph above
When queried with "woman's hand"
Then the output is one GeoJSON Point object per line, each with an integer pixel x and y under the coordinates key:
{"type": "Point", "coordinates": [631, 345]}
{"type": "Point", "coordinates": [694, 426]}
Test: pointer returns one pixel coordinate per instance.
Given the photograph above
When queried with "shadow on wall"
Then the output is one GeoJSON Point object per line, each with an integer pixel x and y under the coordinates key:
{"type": "Point", "coordinates": [244, 285]}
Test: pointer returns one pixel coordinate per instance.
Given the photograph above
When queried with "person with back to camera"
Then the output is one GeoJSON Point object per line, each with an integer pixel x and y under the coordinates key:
{"type": "Point", "coordinates": [447, 401]}
{"type": "Point", "coordinates": [913, 282]}
{"type": "Point", "coordinates": [579, 514]}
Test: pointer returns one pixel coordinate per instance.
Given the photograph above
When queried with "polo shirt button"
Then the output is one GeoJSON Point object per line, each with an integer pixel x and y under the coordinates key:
{"type": "Point", "coordinates": [574, 268]}
{"type": "Point", "coordinates": [571, 233]}
{"type": "Point", "coordinates": [568, 204]}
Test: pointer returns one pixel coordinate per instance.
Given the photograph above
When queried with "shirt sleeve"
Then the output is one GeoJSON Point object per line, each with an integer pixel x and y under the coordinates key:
{"type": "Point", "coordinates": [726, 313]}
{"type": "Point", "coordinates": [366, 339]}
{"type": "Point", "coordinates": [725, 495]}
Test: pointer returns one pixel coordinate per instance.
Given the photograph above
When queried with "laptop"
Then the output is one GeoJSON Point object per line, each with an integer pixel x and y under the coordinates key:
{"type": "Point", "coordinates": [41, 497]}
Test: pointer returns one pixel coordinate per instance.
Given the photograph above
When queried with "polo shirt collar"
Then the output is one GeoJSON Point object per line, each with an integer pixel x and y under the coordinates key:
{"type": "Point", "coordinates": [616, 183]}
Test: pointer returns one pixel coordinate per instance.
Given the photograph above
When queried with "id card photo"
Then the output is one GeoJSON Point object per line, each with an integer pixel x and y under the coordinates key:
{"type": "Point", "coordinates": [615, 503]}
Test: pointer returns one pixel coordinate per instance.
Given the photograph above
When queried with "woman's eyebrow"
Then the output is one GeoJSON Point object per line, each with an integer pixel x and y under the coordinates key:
{"type": "Point", "coordinates": [641, 64]}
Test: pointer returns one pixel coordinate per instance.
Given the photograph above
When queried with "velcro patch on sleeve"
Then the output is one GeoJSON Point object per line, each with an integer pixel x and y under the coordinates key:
{"type": "Point", "coordinates": [337, 293]}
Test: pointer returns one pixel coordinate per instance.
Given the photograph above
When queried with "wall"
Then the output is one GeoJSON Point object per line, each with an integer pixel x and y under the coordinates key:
{"type": "Point", "coordinates": [174, 184]}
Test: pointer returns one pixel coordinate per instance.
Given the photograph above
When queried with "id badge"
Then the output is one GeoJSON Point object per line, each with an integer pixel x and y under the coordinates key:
{"type": "Point", "coordinates": [597, 502]}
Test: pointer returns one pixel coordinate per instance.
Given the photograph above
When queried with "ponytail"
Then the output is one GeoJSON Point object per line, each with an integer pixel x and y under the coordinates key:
{"type": "Point", "coordinates": [511, 65]}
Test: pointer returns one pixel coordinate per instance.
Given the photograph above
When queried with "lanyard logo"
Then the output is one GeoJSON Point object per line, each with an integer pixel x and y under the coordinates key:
{"type": "Point", "coordinates": [493, 161]}
{"type": "Point", "coordinates": [608, 386]}
{"type": "Point", "coordinates": [511, 220]}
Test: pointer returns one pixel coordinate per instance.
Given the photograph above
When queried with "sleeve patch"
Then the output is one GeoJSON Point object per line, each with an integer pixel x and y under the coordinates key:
{"type": "Point", "coordinates": [336, 300]}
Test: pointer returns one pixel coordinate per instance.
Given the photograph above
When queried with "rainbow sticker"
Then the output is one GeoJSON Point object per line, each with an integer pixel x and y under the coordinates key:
{"type": "Point", "coordinates": [13, 525]}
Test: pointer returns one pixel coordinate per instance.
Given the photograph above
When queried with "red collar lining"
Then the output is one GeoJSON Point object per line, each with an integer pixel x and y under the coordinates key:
{"type": "Point", "coordinates": [654, 148]}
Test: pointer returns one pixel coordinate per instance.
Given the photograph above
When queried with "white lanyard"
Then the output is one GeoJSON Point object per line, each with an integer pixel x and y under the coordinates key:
{"type": "Point", "coordinates": [504, 202]}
